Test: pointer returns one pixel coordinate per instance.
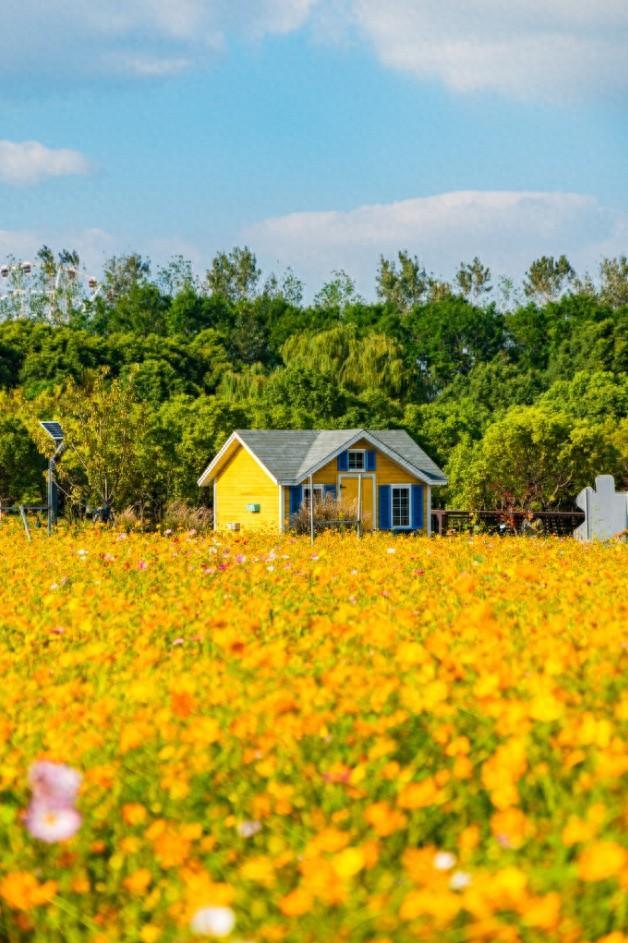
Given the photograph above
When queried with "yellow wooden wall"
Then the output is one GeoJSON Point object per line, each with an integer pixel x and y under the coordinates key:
{"type": "Point", "coordinates": [242, 481]}
{"type": "Point", "coordinates": [387, 472]}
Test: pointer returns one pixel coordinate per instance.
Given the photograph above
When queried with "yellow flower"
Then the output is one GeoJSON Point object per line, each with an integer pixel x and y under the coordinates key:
{"type": "Point", "coordinates": [543, 912]}
{"type": "Point", "coordinates": [260, 869]}
{"type": "Point", "coordinates": [139, 881]}
{"type": "Point", "coordinates": [150, 933]}
{"type": "Point", "coordinates": [349, 862]}
{"type": "Point", "coordinates": [511, 827]}
{"type": "Point", "coordinates": [296, 903]}
{"type": "Point", "coordinates": [419, 795]}
{"type": "Point", "coordinates": [22, 891]}
{"type": "Point", "coordinates": [602, 860]}
{"type": "Point", "coordinates": [384, 819]}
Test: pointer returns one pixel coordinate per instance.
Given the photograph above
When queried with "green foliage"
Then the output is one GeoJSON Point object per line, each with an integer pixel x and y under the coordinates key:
{"type": "Point", "coordinates": [473, 279]}
{"type": "Point", "coordinates": [371, 362]}
{"type": "Point", "coordinates": [534, 457]}
{"type": "Point", "coordinates": [401, 283]}
{"type": "Point", "coordinates": [614, 281]}
{"type": "Point", "coordinates": [234, 275]}
{"type": "Point", "coordinates": [21, 466]}
{"type": "Point", "coordinates": [547, 278]}
{"type": "Point", "coordinates": [521, 403]}
{"type": "Point", "coordinates": [338, 293]}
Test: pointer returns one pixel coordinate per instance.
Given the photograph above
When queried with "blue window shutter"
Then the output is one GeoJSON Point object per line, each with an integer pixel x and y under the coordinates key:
{"type": "Point", "coordinates": [384, 507]}
{"type": "Point", "coordinates": [330, 491]}
{"type": "Point", "coordinates": [371, 460]}
{"type": "Point", "coordinates": [296, 499]}
{"type": "Point", "coordinates": [343, 461]}
{"type": "Point", "coordinates": [417, 507]}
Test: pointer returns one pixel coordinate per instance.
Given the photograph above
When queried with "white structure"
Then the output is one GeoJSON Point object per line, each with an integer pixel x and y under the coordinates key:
{"type": "Point", "coordinates": [605, 510]}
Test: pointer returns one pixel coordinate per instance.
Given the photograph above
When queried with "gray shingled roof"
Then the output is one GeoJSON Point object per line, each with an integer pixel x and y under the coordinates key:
{"type": "Point", "coordinates": [290, 454]}
{"type": "Point", "coordinates": [404, 445]}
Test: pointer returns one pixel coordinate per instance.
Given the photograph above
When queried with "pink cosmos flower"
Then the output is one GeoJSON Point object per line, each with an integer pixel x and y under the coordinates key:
{"type": "Point", "coordinates": [54, 785]}
{"type": "Point", "coordinates": [52, 824]}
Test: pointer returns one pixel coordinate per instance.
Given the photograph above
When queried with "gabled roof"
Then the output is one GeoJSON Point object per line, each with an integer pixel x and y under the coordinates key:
{"type": "Point", "coordinates": [289, 456]}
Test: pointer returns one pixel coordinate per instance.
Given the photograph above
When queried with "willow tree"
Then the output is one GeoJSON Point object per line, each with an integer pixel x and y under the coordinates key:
{"type": "Point", "coordinates": [359, 363]}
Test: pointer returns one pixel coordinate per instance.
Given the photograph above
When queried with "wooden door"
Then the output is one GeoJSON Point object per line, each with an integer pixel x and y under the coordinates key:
{"type": "Point", "coordinates": [353, 494]}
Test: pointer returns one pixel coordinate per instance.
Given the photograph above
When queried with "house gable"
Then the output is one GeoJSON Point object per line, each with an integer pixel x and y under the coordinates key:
{"type": "Point", "coordinates": [368, 440]}
{"type": "Point", "coordinates": [240, 484]}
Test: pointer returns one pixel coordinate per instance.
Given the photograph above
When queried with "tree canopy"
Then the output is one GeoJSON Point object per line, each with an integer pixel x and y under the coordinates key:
{"type": "Point", "coordinates": [521, 402]}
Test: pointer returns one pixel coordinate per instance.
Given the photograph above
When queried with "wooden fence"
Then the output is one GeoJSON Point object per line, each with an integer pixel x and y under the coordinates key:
{"type": "Point", "coordinates": [558, 523]}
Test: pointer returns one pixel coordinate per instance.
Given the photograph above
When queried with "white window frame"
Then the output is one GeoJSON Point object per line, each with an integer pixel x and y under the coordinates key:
{"type": "Point", "coordinates": [407, 488]}
{"type": "Point", "coordinates": [319, 495]}
{"type": "Point", "coordinates": [361, 452]}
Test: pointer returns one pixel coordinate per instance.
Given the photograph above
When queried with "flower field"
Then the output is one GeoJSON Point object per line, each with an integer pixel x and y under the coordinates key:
{"type": "Point", "coordinates": [386, 740]}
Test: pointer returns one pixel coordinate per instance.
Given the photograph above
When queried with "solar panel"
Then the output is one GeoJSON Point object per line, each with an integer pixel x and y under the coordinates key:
{"type": "Point", "coordinates": [54, 430]}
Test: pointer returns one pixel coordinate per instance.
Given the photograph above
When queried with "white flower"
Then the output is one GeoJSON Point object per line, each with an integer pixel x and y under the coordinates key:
{"type": "Point", "coordinates": [444, 860]}
{"type": "Point", "coordinates": [213, 921]}
{"type": "Point", "coordinates": [82, 553]}
{"type": "Point", "coordinates": [248, 829]}
{"type": "Point", "coordinates": [459, 880]}
{"type": "Point", "coordinates": [391, 550]}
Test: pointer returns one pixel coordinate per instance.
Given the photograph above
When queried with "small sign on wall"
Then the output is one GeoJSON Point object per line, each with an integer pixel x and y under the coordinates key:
{"type": "Point", "coordinates": [254, 508]}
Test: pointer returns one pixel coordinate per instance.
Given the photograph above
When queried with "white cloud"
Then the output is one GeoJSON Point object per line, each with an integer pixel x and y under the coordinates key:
{"type": "Point", "coordinates": [71, 39]}
{"type": "Point", "coordinates": [537, 49]}
{"type": "Point", "coordinates": [506, 229]}
{"type": "Point", "coordinates": [28, 162]}
{"type": "Point", "coordinates": [529, 49]}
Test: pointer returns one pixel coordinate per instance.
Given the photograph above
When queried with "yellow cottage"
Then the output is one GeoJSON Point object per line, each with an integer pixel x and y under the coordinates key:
{"type": "Point", "coordinates": [261, 477]}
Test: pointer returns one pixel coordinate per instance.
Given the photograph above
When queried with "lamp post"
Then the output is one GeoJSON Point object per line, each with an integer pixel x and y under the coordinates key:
{"type": "Point", "coordinates": [54, 430]}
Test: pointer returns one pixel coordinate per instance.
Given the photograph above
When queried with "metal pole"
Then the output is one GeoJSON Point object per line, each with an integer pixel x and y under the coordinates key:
{"type": "Point", "coordinates": [51, 512]}
{"type": "Point", "coordinates": [311, 510]}
{"type": "Point", "coordinates": [25, 522]}
{"type": "Point", "coordinates": [359, 505]}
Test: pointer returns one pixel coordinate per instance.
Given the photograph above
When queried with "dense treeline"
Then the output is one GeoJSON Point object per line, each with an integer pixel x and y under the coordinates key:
{"type": "Point", "coordinates": [520, 394]}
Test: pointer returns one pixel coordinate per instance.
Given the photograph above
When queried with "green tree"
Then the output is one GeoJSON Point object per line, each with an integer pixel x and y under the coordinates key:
{"type": "Point", "coordinates": [403, 282]}
{"type": "Point", "coordinates": [112, 455]}
{"type": "Point", "coordinates": [474, 280]}
{"type": "Point", "coordinates": [21, 465]}
{"type": "Point", "coordinates": [288, 288]}
{"type": "Point", "coordinates": [176, 276]}
{"type": "Point", "coordinates": [300, 398]}
{"type": "Point", "coordinates": [595, 396]}
{"type": "Point", "coordinates": [234, 275]}
{"type": "Point", "coordinates": [358, 363]}
{"type": "Point", "coordinates": [122, 273]}
{"type": "Point", "coordinates": [448, 338]}
{"type": "Point", "coordinates": [548, 277]}
{"type": "Point", "coordinates": [338, 293]}
{"type": "Point", "coordinates": [191, 432]}
{"type": "Point", "coordinates": [532, 458]}
{"type": "Point", "coordinates": [614, 281]}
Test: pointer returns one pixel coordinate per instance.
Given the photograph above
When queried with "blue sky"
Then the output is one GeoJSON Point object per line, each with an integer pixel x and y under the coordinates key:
{"type": "Point", "coordinates": [319, 133]}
